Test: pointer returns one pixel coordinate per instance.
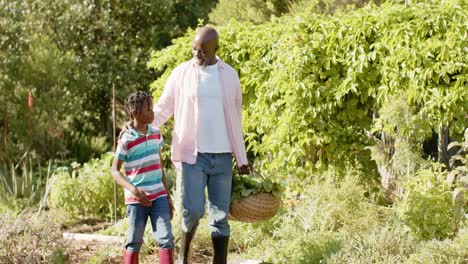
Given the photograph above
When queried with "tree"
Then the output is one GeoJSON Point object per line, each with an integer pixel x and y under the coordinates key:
{"type": "Point", "coordinates": [255, 11]}
{"type": "Point", "coordinates": [314, 84]}
{"type": "Point", "coordinates": [74, 51]}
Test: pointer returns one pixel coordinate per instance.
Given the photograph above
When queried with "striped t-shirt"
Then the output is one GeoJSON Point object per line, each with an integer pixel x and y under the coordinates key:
{"type": "Point", "coordinates": [140, 156]}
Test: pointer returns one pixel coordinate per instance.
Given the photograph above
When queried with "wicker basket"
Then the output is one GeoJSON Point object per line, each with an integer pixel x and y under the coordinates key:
{"type": "Point", "coordinates": [255, 208]}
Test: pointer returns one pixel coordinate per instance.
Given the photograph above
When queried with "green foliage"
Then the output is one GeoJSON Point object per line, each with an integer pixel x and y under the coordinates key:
{"type": "Point", "coordinates": [246, 185]}
{"type": "Point", "coordinates": [311, 226]}
{"type": "Point", "coordinates": [74, 52]}
{"type": "Point", "coordinates": [83, 147]}
{"type": "Point", "coordinates": [87, 190]}
{"type": "Point", "coordinates": [400, 119]}
{"type": "Point", "coordinates": [335, 73]}
{"type": "Point", "coordinates": [261, 11]}
{"type": "Point", "coordinates": [308, 248]}
{"type": "Point", "coordinates": [402, 133]}
{"type": "Point", "coordinates": [331, 6]}
{"type": "Point", "coordinates": [389, 243]}
{"type": "Point", "coordinates": [445, 251]}
{"type": "Point", "coordinates": [459, 162]}
{"type": "Point", "coordinates": [427, 206]}
{"type": "Point", "coordinates": [255, 11]}
{"type": "Point", "coordinates": [21, 185]}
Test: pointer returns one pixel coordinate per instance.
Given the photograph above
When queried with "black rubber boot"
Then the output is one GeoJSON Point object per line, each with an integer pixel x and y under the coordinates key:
{"type": "Point", "coordinates": [184, 251]}
{"type": "Point", "coordinates": [220, 247]}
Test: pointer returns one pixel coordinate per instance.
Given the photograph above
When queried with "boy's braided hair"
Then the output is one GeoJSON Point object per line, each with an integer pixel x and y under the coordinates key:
{"type": "Point", "coordinates": [134, 102]}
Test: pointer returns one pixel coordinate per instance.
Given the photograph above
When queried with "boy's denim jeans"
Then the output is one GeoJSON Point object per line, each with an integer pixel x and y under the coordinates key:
{"type": "Point", "coordinates": [160, 218]}
{"type": "Point", "coordinates": [212, 170]}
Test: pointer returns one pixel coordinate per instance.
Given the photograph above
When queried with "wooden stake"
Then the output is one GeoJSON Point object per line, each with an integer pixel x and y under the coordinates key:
{"type": "Point", "coordinates": [113, 148]}
{"type": "Point", "coordinates": [5, 121]}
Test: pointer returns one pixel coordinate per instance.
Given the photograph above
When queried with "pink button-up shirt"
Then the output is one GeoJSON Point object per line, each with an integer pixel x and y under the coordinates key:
{"type": "Point", "coordinates": [179, 99]}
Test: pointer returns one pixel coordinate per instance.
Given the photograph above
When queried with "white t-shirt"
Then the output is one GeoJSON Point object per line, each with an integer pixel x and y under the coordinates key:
{"type": "Point", "coordinates": [212, 135]}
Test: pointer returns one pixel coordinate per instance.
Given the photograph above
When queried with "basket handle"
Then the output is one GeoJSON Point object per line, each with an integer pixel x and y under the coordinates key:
{"type": "Point", "coordinates": [257, 173]}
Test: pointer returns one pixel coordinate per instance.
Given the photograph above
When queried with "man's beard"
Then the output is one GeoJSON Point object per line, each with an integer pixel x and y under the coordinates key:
{"type": "Point", "coordinates": [201, 62]}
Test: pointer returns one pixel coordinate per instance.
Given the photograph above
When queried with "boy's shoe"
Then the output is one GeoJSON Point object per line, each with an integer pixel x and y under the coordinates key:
{"type": "Point", "coordinates": [131, 257]}
{"type": "Point", "coordinates": [166, 256]}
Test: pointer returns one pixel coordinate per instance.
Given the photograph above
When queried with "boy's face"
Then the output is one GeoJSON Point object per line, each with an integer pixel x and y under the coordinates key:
{"type": "Point", "coordinates": [146, 114]}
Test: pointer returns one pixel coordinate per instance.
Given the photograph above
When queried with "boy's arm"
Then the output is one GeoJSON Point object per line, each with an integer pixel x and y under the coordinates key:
{"type": "Point", "coordinates": [171, 206]}
{"type": "Point", "coordinates": [122, 181]}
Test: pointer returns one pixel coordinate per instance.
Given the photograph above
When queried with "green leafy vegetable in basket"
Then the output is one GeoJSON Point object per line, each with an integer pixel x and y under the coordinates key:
{"type": "Point", "coordinates": [246, 185]}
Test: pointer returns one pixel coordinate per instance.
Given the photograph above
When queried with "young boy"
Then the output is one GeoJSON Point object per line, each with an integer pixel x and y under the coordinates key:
{"type": "Point", "coordinates": [146, 192]}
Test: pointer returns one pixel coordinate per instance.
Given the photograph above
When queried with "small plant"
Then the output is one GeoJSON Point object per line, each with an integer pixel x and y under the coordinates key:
{"type": "Point", "coordinates": [20, 184]}
{"type": "Point", "coordinates": [427, 207]}
{"type": "Point", "coordinates": [87, 190]}
{"type": "Point", "coordinates": [442, 251]}
{"type": "Point", "coordinates": [246, 185]}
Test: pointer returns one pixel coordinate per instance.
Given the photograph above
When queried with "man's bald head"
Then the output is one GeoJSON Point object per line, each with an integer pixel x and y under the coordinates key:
{"type": "Point", "coordinates": [204, 45]}
{"type": "Point", "coordinates": [205, 34]}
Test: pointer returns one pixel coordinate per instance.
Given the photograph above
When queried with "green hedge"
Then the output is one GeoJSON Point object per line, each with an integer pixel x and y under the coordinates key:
{"type": "Point", "coordinates": [313, 84]}
{"type": "Point", "coordinates": [87, 190]}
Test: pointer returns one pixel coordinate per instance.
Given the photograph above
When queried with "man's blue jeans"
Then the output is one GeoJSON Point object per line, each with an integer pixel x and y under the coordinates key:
{"type": "Point", "coordinates": [214, 171]}
{"type": "Point", "coordinates": [160, 218]}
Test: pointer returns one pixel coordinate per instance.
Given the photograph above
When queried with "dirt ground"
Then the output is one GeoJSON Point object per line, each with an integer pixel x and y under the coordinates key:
{"type": "Point", "coordinates": [82, 251]}
{"type": "Point", "coordinates": [38, 240]}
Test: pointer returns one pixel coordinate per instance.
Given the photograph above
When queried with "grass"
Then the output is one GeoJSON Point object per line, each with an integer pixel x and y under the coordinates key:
{"type": "Point", "coordinates": [331, 220]}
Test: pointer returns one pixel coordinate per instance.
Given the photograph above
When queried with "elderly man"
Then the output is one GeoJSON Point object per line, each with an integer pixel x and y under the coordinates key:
{"type": "Point", "coordinates": [205, 98]}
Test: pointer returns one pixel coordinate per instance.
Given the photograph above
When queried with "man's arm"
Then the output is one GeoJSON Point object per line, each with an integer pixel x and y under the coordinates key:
{"type": "Point", "coordinates": [164, 108]}
{"type": "Point", "coordinates": [244, 167]}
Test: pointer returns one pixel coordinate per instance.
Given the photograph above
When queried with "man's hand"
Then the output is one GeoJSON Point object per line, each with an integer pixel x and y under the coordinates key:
{"type": "Point", "coordinates": [245, 169]}
{"type": "Point", "coordinates": [141, 197]}
{"type": "Point", "coordinates": [171, 206]}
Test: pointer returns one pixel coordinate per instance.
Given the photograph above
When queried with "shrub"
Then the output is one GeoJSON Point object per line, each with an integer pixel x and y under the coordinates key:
{"type": "Point", "coordinates": [313, 84]}
{"type": "Point", "coordinates": [445, 251]}
{"type": "Point", "coordinates": [427, 207]}
{"type": "Point", "coordinates": [313, 225]}
{"type": "Point", "coordinates": [86, 191]}
{"type": "Point", "coordinates": [389, 243]}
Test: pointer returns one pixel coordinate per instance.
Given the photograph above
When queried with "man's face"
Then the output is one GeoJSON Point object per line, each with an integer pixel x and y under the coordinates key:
{"type": "Point", "coordinates": [203, 51]}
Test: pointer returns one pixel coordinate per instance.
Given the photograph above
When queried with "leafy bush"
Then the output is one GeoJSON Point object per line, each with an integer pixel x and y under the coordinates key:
{"type": "Point", "coordinates": [389, 243]}
{"type": "Point", "coordinates": [313, 84]}
{"type": "Point", "coordinates": [312, 226]}
{"type": "Point", "coordinates": [84, 147]}
{"type": "Point", "coordinates": [445, 251]}
{"type": "Point", "coordinates": [86, 191]}
{"type": "Point", "coordinates": [255, 11]}
{"type": "Point", "coordinates": [427, 206]}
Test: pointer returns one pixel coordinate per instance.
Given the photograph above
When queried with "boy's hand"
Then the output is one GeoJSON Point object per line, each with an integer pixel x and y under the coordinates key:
{"type": "Point", "coordinates": [171, 206]}
{"type": "Point", "coordinates": [141, 197]}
